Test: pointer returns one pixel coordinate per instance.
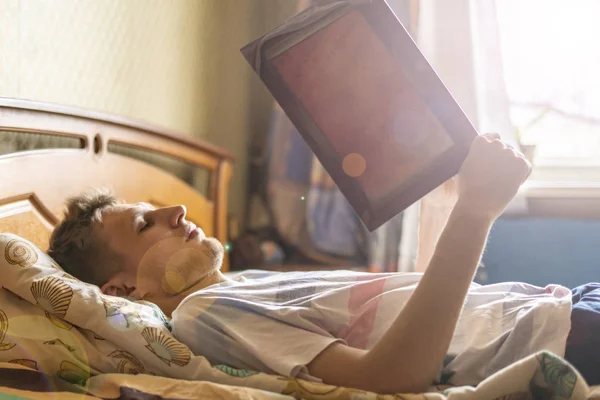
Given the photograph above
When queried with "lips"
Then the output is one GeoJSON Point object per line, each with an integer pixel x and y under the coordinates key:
{"type": "Point", "coordinates": [193, 232]}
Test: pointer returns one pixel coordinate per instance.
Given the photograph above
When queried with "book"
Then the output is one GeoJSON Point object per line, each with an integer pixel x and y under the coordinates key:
{"type": "Point", "coordinates": [370, 106]}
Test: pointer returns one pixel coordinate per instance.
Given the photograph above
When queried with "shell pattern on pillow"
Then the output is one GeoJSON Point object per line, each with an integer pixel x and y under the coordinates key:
{"type": "Point", "coordinates": [53, 322]}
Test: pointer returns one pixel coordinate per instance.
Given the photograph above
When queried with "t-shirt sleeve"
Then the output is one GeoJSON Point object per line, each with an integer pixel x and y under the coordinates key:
{"type": "Point", "coordinates": [241, 338]}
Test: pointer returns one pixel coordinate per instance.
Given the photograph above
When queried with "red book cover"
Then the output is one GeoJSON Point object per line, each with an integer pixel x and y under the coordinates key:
{"type": "Point", "coordinates": [370, 106]}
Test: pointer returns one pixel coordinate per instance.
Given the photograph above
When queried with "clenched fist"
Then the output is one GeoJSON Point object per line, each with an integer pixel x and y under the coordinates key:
{"type": "Point", "coordinates": [490, 176]}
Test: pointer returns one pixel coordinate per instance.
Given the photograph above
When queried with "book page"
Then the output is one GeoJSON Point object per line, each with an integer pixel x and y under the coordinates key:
{"type": "Point", "coordinates": [358, 96]}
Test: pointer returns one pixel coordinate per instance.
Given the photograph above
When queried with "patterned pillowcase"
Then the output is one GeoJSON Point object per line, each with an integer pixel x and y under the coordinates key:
{"type": "Point", "coordinates": [53, 322]}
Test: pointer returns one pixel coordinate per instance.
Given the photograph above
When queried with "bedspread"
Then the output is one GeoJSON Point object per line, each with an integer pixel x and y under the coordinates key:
{"type": "Point", "coordinates": [540, 376]}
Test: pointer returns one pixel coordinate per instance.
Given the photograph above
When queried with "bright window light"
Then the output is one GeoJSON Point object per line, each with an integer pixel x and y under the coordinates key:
{"type": "Point", "coordinates": [551, 59]}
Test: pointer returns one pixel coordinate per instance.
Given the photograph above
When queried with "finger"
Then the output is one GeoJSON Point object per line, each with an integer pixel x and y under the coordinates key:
{"type": "Point", "coordinates": [492, 136]}
{"type": "Point", "coordinates": [529, 169]}
{"type": "Point", "coordinates": [495, 139]}
{"type": "Point", "coordinates": [515, 152]}
{"type": "Point", "coordinates": [514, 164]}
{"type": "Point", "coordinates": [525, 169]}
{"type": "Point", "coordinates": [498, 144]}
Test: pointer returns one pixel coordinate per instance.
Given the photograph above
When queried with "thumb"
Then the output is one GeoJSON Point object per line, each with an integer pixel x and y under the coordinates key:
{"type": "Point", "coordinates": [492, 136]}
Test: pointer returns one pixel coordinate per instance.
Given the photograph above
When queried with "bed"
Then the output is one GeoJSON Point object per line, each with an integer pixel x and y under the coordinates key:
{"type": "Point", "coordinates": [62, 338]}
{"type": "Point", "coordinates": [95, 144]}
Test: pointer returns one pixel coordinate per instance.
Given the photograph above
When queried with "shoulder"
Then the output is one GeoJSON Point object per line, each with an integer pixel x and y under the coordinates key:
{"type": "Point", "coordinates": [241, 276]}
{"type": "Point", "coordinates": [191, 305]}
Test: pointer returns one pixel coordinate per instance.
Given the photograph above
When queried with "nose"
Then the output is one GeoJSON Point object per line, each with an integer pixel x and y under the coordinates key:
{"type": "Point", "coordinates": [176, 215]}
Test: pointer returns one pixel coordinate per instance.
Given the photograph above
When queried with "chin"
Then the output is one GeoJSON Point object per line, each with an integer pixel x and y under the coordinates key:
{"type": "Point", "coordinates": [211, 252]}
{"type": "Point", "coordinates": [189, 265]}
{"type": "Point", "coordinates": [216, 250]}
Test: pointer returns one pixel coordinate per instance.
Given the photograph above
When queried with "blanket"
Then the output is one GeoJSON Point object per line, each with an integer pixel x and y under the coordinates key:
{"type": "Point", "coordinates": [540, 376]}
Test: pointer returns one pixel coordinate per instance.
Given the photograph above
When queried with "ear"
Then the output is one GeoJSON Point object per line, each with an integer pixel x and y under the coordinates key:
{"type": "Point", "coordinates": [116, 286]}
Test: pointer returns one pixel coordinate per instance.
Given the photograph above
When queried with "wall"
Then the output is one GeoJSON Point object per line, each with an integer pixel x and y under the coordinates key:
{"type": "Point", "coordinates": [542, 251]}
{"type": "Point", "coordinates": [172, 63]}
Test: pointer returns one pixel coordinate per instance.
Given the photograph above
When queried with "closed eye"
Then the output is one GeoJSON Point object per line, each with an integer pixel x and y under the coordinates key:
{"type": "Point", "coordinates": [147, 224]}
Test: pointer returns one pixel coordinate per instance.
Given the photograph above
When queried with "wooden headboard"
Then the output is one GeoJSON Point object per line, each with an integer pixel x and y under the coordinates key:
{"type": "Point", "coordinates": [84, 149]}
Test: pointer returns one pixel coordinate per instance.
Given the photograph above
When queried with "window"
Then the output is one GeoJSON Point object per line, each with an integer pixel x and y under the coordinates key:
{"type": "Point", "coordinates": [551, 62]}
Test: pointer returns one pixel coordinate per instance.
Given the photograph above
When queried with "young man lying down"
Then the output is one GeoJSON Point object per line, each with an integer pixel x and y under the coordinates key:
{"type": "Point", "coordinates": [395, 332]}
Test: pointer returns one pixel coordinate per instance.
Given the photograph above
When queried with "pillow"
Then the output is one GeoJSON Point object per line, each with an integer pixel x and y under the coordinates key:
{"type": "Point", "coordinates": [51, 321]}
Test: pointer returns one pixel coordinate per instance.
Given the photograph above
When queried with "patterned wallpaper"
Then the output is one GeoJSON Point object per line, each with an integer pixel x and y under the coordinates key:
{"type": "Point", "coordinates": [174, 63]}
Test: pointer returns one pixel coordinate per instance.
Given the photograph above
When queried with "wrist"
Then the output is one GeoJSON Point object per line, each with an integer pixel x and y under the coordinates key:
{"type": "Point", "coordinates": [474, 212]}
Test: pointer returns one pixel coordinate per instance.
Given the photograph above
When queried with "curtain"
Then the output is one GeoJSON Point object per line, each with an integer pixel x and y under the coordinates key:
{"type": "Point", "coordinates": [461, 39]}
{"type": "Point", "coordinates": [492, 101]}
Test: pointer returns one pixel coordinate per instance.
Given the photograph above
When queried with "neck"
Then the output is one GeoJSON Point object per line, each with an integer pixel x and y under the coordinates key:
{"type": "Point", "coordinates": [211, 279]}
{"type": "Point", "coordinates": [169, 305]}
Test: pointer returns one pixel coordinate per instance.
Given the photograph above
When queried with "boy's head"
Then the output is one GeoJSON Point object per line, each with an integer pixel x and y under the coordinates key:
{"type": "Point", "coordinates": [133, 250]}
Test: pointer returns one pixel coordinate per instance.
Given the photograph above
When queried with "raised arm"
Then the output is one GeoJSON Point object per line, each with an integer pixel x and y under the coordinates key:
{"type": "Point", "coordinates": [435, 210]}
{"type": "Point", "coordinates": [408, 357]}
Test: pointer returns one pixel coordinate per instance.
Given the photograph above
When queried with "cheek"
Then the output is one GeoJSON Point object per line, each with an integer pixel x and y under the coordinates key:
{"type": "Point", "coordinates": [184, 269]}
{"type": "Point", "coordinates": [147, 248]}
{"type": "Point", "coordinates": [152, 264]}
{"type": "Point", "coordinates": [170, 267]}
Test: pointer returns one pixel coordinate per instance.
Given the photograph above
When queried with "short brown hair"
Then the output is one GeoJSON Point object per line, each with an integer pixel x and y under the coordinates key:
{"type": "Point", "coordinates": [76, 247]}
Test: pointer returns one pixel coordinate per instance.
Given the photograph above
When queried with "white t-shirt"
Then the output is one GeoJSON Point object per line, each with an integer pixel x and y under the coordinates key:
{"type": "Point", "coordinates": [278, 322]}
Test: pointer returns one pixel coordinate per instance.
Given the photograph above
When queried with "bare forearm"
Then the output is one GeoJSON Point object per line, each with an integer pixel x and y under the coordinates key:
{"type": "Point", "coordinates": [435, 209]}
{"type": "Point", "coordinates": [432, 220]}
{"type": "Point", "coordinates": [415, 345]}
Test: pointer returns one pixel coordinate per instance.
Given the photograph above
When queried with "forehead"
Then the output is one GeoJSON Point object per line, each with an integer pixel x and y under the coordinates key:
{"type": "Point", "coordinates": [123, 213]}
{"type": "Point", "coordinates": [125, 208]}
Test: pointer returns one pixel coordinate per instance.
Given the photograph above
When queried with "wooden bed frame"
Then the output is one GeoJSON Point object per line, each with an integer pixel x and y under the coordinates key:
{"type": "Point", "coordinates": [35, 184]}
